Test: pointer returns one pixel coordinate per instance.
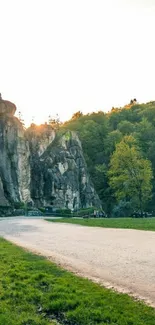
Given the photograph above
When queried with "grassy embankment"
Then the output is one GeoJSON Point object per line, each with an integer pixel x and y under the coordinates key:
{"type": "Point", "coordinates": [34, 291]}
{"type": "Point", "coordinates": [125, 223]}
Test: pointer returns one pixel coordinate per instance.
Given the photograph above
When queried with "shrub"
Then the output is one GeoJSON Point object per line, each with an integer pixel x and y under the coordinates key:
{"type": "Point", "coordinates": [42, 209]}
{"type": "Point", "coordinates": [122, 209]}
{"type": "Point", "coordinates": [64, 211]}
{"type": "Point", "coordinates": [85, 211]}
{"type": "Point", "coordinates": [19, 205]}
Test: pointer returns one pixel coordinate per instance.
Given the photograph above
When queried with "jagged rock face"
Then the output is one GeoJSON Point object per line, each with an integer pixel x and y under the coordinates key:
{"type": "Point", "coordinates": [59, 176]}
{"type": "Point", "coordinates": [38, 165]}
{"type": "Point", "coordinates": [39, 138]}
{"type": "Point", "coordinates": [14, 160]}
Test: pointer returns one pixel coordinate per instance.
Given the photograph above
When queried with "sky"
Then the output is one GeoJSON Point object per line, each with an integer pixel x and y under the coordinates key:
{"type": "Point", "coordinates": [59, 57]}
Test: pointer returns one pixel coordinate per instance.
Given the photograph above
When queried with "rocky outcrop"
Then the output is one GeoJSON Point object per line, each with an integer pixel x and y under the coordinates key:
{"type": "Point", "coordinates": [6, 107]}
{"type": "Point", "coordinates": [41, 166]}
{"type": "Point", "coordinates": [59, 175]}
{"type": "Point", "coordinates": [14, 160]}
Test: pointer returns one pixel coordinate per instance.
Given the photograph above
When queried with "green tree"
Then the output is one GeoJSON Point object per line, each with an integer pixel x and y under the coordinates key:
{"type": "Point", "coordinates": [126, 127]}
{"type": "Point", "coordinates": [145, 133]}
{"type": "Point", "coordinates": [77, 115]}
{"type": "Point", "coordinates": [54, 121]}
{"type": "Point", "coordinates": [110, 142]}
{"type": "Point", "coordinates": [130, 175]}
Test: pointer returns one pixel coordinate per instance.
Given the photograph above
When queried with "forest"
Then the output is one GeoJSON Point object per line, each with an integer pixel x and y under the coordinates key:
{"type": "Point", "coordinates": [119, 148]}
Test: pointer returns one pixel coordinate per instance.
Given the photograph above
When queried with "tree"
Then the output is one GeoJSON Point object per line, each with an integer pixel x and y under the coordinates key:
{"type": "Point", "coordinates": [110, 142]}
{"type": "Point", "coordinates": [77, 115]}
{"type": "Point", "coordinates": [54, 121]}
{"type": "Point", "coordinates": [130, 175]}
{"type": "Point", "coordinates": [126, 127]}
{"type": "Point", "coordinates": [145, 134]}
{"type": "Point", "coordinates": [20, 117]}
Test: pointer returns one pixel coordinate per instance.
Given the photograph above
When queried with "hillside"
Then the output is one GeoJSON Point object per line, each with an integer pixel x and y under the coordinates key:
{"type": "Point", "coordinates": [100, 134]}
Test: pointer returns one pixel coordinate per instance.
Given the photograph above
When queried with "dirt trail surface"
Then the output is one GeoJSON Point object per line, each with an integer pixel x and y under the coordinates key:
{"type": "Point", "coordinates": [119, 258]}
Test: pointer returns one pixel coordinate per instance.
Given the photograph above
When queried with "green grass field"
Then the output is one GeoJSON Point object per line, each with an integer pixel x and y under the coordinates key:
{"type": "Point", "coordinates": [34, 291]}
{"type": "Point", "coordinates": [126, 223]}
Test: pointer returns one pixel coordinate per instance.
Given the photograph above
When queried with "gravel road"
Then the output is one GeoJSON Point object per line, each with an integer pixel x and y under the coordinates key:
{"type": "Point", "coordinates": [117, 258]}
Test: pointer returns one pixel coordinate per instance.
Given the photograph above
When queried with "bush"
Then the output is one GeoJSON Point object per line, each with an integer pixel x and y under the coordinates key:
{"type": "Point", "coordinates": [86, 211]}
{"type": "Point", "coordinates": [122, 210]}
{"type": "Point", "coordinates": [5, 211]}
{"type": "Point", "coordinates": [19, 205]}
{"type": "Point", "coordinates": [64, 211]}
{"type": "Point", "coordinates": [42, 209]}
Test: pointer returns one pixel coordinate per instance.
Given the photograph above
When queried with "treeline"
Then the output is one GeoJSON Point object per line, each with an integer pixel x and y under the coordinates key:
{"type": "Point", "coordinates": [119, 148]}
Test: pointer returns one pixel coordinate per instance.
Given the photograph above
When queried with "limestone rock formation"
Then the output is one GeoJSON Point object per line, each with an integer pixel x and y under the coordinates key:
{"type": "Point", "coordinates": [41, 166]}
{"type": "Point", "coordinates": [59, 176]}
{"type": "Point", "coordinates": [14, 160]}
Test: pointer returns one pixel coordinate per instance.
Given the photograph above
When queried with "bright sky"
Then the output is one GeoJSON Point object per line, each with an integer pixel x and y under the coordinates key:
{"type": "Point", "coordinates": [60, 56]}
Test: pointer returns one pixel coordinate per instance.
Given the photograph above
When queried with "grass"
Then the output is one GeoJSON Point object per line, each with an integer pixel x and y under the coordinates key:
{"type": "Point", "coordinates": [125, 223]}
{"type": "Point", "coordinates": [34, 291]}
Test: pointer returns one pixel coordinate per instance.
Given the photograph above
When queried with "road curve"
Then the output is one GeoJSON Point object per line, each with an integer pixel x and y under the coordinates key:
{"type": "Point", "coordinates": [118, 258]}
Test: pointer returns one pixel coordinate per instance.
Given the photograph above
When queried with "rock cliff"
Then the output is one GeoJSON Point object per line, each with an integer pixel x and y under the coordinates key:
{"type": "Point", "coordinates": [14, 156]}
{"type": "Point", "coordinates": [41, 166]}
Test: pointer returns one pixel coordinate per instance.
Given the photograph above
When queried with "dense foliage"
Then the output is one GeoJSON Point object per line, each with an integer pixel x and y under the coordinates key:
{"type": "Point", "coordinates": [130, 175]}
{"type": "Point", "coordinates": [103, 139]}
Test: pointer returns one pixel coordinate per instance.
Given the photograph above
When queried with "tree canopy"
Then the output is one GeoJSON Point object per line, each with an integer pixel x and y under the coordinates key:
{"type": "Point", "coordinates": [104, 134]}
{"type": "Point", "coordinates": [130, 175]}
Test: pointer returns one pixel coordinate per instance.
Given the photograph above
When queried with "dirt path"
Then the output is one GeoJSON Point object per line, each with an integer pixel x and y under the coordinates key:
{"type": "Point", "coordinates": [118, 258]}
